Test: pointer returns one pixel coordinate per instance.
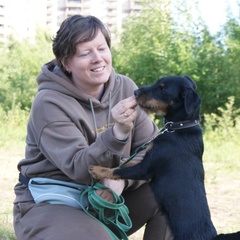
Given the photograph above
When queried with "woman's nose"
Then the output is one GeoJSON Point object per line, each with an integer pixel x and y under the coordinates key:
{"type": "Point", "coordinates": [96, 57]}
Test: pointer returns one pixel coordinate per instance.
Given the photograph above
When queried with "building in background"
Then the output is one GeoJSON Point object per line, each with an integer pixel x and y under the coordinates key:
{"type": "Point", "coordinates": [21, 18]}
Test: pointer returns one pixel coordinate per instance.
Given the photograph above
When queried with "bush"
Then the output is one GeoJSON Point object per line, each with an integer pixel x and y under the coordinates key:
{"type": "Point", "coordinates": [222, 135]}
{"type": "Point", "coordinates": [13, 125]}
{"type": "Point", "coordinates": [225, 125]}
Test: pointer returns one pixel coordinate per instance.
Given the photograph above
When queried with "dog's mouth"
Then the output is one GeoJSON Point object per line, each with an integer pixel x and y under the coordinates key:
{"type": "Point", "coordinates": [153, 106]}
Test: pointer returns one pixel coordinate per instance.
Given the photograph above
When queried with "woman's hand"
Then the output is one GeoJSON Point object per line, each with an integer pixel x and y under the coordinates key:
{"type": "Point", "coordinates": [124, 114]}
{"type": "Point", "coordinates": [115, 185]}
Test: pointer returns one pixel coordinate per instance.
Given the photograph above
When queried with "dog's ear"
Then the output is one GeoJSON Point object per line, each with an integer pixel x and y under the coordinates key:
{"type": "Point", "coordinates": [194, 86]}
{"type": "Point", "coordinates": [191, 101]}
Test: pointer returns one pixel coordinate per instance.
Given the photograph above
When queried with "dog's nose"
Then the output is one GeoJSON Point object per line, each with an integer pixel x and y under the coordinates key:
{"type": "Point", "coordinates": [136, 93]}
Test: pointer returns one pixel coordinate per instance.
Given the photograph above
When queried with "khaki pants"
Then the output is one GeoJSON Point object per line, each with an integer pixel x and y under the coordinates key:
{"type": "Point", "coordinates": [59, 222]}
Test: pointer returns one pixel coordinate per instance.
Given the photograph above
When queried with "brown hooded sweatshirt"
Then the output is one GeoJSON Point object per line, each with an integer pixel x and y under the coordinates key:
{"type": "Point", "coordinates": [69, 130]}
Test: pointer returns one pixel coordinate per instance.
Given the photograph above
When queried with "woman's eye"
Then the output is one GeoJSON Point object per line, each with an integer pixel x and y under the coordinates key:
{"type": "Point", "coordinates": [84, 54]}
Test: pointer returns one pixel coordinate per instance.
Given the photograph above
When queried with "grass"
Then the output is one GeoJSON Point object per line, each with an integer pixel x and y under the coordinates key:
{"type": "Point", "coordinates": [221, 161]}
{"type": "Point", "coordinates": [222, 167]}
{"type": "Point", "coordinates": [9, 156]}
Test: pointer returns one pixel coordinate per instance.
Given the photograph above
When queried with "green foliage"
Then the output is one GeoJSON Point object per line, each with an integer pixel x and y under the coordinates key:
{"type": "Point", "coordinates": [225, 124]}
{"type": "Point", "coordinates": [232, 59]}
{"type": "Point", "coordinates": [21, 62]}
{"type": "Point", "coordinates": [146, 44]}
{"type": "Point", "coordinates": [155, 44]}
{"type": "Point", "coordinates": [222, 136]}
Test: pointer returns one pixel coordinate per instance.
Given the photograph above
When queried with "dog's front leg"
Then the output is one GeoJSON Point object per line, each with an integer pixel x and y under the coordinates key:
{"type": "Point", "coordinates": [139, 171]}
{"type": "Point", "coordinates": [100, 173]}
{"type": "Point", "coordinates": [136, 172]}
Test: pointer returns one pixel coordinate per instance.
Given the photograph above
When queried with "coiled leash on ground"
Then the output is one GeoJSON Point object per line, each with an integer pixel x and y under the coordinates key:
{"type": "Point", "coordinates": [120, 219]}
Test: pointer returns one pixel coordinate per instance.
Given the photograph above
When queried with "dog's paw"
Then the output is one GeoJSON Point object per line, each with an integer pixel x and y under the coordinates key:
{"type": "Point", "coordinates": [94, 171]}
{"type": "Point", "coordinates": [99, 172]}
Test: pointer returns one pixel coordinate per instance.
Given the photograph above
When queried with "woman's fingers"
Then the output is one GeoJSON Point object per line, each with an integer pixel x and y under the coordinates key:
{"type": "Point", "coordinates": [124, 108]}
{"type": "Point", "coordinates": [124, 105]}
{"type": "Point", "coordinates": [128, 112]}
{"type": "Point", "coordinates": [124, 114]}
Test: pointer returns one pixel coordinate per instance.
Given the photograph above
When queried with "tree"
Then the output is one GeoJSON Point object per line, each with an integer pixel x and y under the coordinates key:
{"type": "Point", "coordinates": [155, 44]}
{"type": "Point", "coordinates": [20, 65]}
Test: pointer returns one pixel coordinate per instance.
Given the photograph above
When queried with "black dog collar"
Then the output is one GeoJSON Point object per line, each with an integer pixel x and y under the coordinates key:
{"type": "Point", "coordinates": [172, 126]}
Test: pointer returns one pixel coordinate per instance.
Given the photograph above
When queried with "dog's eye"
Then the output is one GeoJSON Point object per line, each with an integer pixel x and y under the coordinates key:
{"type": "Point", "coordinates": [162, 87]}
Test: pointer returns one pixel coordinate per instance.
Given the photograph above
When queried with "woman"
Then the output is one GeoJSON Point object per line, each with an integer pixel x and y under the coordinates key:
{"type": "Point", "coordinates": [83, 114]}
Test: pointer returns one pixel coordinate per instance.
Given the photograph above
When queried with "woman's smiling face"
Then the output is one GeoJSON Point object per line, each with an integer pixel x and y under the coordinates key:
{"type": "Point", "coordinates": [91, 65]}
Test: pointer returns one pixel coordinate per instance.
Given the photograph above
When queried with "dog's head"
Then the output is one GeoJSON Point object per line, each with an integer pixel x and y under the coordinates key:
{"type": "Point", "coordinates": [172, 96]}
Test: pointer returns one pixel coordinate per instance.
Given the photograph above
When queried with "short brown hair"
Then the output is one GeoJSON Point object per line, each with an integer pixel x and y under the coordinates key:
{"type": "Point", "coordinates": [74, 30]}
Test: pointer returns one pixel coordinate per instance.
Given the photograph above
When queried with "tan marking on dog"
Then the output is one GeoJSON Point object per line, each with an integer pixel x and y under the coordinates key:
{"type": "Point", "coordinates": [149, 147]}
{"type": "Point", "coordinates": [153, 106]}
{"type": "Point", "coordinates": [100, 173]}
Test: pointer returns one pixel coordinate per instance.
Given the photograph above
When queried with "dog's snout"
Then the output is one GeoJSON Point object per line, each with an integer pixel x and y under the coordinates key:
{"type": "Point", "coordinates": [136, 93]}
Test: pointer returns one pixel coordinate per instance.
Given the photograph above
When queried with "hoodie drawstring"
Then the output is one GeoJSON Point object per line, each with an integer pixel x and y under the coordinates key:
{"type": "Point", "coordinates": [94, 118]}
{"type": "Point", "coordinates": [93, 113]}
{"type": "Point", "coordinates": [109, 108]}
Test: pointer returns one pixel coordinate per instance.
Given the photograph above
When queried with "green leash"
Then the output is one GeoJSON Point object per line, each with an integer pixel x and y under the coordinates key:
{"type": "Point", "coordinates": [120, 219]}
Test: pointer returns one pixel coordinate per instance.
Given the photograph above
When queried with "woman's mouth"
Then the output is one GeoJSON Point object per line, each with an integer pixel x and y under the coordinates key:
{"type": "Point", "coordinates": [100, 69]}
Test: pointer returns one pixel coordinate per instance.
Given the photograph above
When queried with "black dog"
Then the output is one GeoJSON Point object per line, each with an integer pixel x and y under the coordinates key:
{"type": "Point", "coordinates": [174, 161]}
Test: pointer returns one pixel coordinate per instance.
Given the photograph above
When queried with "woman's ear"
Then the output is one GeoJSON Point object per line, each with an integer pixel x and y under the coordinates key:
{"type": "Point", "coordinates": [66, 66]}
